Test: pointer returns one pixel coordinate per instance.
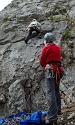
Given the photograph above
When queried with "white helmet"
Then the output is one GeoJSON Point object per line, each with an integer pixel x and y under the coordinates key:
{"type": "Point", "coordinates": [34, 20]}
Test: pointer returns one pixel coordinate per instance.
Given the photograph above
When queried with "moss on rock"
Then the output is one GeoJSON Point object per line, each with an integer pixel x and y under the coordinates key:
{"type": "Point", "coordinates": [66, 35]}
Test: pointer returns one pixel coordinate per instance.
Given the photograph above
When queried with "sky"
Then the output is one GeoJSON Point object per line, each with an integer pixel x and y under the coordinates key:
{"type": "Point", "coordinates": [4, 3]}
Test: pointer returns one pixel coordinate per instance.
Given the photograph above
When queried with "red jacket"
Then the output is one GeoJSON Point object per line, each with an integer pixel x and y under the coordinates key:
{"type": "Point", "coordinates": [50, 53]}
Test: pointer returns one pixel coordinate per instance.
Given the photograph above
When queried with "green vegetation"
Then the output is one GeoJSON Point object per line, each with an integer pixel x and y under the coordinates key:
{"type": "Point", "coordinates": [59, 8]}
{"type": "Point", "coordinates": [59, 13]}
{"type": "Point", "coordinates": [58, 18]}
{"type": "Point", "coordinates": [71, 22]}
{"type": "Point", "coordinates": [6, 17]}
{"type": "Point", "coordinates": [66, 35]}
{"type": "Point", "coordinates": [4, 23]}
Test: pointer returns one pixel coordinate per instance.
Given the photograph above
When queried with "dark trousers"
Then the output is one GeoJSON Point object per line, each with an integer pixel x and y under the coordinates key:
{"type": "Point", "coordinates": [38, 32]}
{"type": "Point", "coordinates": [53, 97]}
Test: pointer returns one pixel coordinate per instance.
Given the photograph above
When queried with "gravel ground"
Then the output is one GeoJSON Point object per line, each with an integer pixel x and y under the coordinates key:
{"type": "Point", "coordinates": [67, 117]}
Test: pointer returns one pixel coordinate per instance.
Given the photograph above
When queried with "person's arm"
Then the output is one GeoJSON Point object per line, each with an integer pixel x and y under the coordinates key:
{"type": "Point", "coordinates": [39, 25]}
{"type": "Point", "coordinates": [30, 25]}
{"type": "Point", "coordinates": [43, 58]}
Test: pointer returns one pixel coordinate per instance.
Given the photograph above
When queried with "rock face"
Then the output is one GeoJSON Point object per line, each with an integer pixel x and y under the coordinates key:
{"type": "Point", "coordinates": [22, 84]}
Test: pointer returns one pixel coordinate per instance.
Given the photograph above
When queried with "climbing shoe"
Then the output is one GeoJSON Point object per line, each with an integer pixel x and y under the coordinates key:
{"type": "Point", "coordinates": [25, 41]}
{"type": "Point", "coordinates": [51, 123]}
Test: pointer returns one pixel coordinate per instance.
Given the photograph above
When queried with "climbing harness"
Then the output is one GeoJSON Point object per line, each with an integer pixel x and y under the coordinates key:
{"type": "Point", "coordinates": [54, 70]}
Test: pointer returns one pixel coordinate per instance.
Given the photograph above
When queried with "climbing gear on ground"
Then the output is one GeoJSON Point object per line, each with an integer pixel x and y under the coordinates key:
{"type": "Point", "coordinates": [49, 37]}
{"type": "Point", "coordinates": [54, 70]}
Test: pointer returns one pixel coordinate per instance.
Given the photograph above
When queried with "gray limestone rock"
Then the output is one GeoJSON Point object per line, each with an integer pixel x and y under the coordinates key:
{"type": "Point", "coordinates": [22, 83]}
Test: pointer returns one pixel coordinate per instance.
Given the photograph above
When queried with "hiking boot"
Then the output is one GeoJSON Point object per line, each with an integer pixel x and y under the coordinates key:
{"type": "Point", "coordinates": [42, 122]}
{"type": "Point", "coordinates": [53, 123]}
{"type": "Point", "coordinates": [47, 122]}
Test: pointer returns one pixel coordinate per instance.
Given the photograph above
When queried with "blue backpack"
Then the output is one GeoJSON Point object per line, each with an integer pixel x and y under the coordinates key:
{"type": "Point", "coordinates": [34, 119]}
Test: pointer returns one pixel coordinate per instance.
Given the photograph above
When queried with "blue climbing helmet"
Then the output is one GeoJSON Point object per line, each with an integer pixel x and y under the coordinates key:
{"type": "Point", "coordinates": [49, 37]}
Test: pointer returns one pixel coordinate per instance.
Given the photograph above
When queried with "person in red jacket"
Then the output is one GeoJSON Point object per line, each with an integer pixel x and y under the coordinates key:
{"type": "Point", "coordinates": [50, 60]}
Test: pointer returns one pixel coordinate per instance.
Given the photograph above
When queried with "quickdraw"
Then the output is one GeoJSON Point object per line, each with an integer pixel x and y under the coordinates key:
{"type": "Point", "coordinates": [57, 70]}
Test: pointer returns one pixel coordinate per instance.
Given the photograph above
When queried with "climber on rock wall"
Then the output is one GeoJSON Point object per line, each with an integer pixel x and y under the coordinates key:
{"type": "Point", "coordinates": [34, 26]}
